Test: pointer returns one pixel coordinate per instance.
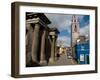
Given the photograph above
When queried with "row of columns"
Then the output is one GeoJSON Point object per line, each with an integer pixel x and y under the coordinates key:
{"type": "Point", "coordinates": [35, 45]}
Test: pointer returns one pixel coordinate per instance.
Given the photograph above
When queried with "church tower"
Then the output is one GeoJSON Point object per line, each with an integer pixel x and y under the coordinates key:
{"type": "Point", "coordinates": [74, 30]}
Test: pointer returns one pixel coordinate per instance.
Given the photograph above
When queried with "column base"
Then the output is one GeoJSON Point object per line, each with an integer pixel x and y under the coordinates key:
{"type": "Point", "coordinates": [35, 61]}
{"type": "Point", "coordinates": [51, 61]}
{"type": "Point", "coordinates": [43, 62]}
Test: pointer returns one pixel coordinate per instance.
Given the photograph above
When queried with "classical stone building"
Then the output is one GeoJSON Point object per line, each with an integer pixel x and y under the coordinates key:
{"type": "Point", "coordinates": [40, 40]}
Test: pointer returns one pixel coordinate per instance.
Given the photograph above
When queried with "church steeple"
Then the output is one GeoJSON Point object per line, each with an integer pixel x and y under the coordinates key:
{"type": "Point", "coordinates": [74, 29]}
{"type": "Point", "coordinates": [75, 24]}
{"type": "Point", "coordinates": [74, 19]}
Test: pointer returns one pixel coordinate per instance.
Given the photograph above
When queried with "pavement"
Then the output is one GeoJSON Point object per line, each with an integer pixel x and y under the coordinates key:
{"type": "Point", "coordinates": [63, 60]}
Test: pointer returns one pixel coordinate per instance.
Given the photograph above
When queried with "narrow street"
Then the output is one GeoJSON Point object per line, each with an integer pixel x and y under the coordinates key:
{"type": "Point", "coordinates": [63, 60]}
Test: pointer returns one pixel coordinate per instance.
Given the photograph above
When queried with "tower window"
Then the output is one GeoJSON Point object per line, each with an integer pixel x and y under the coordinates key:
{"type": "Point", "coordinates": [75, 29]}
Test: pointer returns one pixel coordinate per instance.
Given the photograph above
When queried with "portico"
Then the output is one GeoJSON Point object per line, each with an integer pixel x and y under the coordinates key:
{"type": "Point", "coordinates": [37, 26]}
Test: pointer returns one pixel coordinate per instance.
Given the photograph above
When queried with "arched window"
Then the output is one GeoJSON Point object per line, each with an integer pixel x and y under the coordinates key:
{"type": "Point", "coordinates": [75, 28]}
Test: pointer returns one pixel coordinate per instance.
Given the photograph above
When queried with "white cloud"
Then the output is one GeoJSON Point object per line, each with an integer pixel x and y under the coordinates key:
{"type": "Point", "coordinates": [61, 22]}
{"type": "Point", "coordinates": [63, 41]}
{"type": "Point", "coordinates": [85, 30]}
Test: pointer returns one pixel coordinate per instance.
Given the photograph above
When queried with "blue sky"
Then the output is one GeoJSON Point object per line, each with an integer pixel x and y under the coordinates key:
{"type": "Point", "coordinates": [63, 23]}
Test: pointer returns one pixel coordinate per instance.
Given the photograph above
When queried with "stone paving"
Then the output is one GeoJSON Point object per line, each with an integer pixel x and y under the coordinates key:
{"type": "Point", "coordinates": [63, 60]}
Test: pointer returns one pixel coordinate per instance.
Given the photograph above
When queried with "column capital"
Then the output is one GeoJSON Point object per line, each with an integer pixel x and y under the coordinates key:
{"type": "Point", "coordinates": [53, 36]}
{"type": "Point", "coordinates": [37, 26]}
{"type": "Point", "coordinates": [34, 20]}
{"type": "Point", "coordinates": [28, 25]}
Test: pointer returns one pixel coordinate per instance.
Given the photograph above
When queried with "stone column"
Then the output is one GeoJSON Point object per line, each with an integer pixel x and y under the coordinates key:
{"type": "Point", "coordinates": [28, 43]}
{"type": "Point", "coordinates": [35, 42]}
{"type": "Point", "coordinates": [42, 54]}
{"type": "Point", "coordinates": [52, 57]}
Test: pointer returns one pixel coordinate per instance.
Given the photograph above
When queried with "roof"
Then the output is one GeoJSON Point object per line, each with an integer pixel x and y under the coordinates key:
{"type": "Point", "coordinates": [54, 29]}
{"type": "Point", "coordinates": [30, 15]}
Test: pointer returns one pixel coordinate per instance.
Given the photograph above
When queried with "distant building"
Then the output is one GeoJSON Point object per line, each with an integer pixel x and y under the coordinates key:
{"type": "Point", "coordinates": [81, 39]}
{"type": "Point", "coordinates": [68, 49]}
{"type": "Point", "coordinates": [61, 50]}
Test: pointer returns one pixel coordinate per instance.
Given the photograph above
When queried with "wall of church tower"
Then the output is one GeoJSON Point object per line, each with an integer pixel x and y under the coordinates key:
{"type": "Point", "coordinates": [74, 30]}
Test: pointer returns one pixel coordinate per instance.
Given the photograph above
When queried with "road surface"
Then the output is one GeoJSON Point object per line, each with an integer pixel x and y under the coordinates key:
{"type": "Point", "coordinates": [63, 60]}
